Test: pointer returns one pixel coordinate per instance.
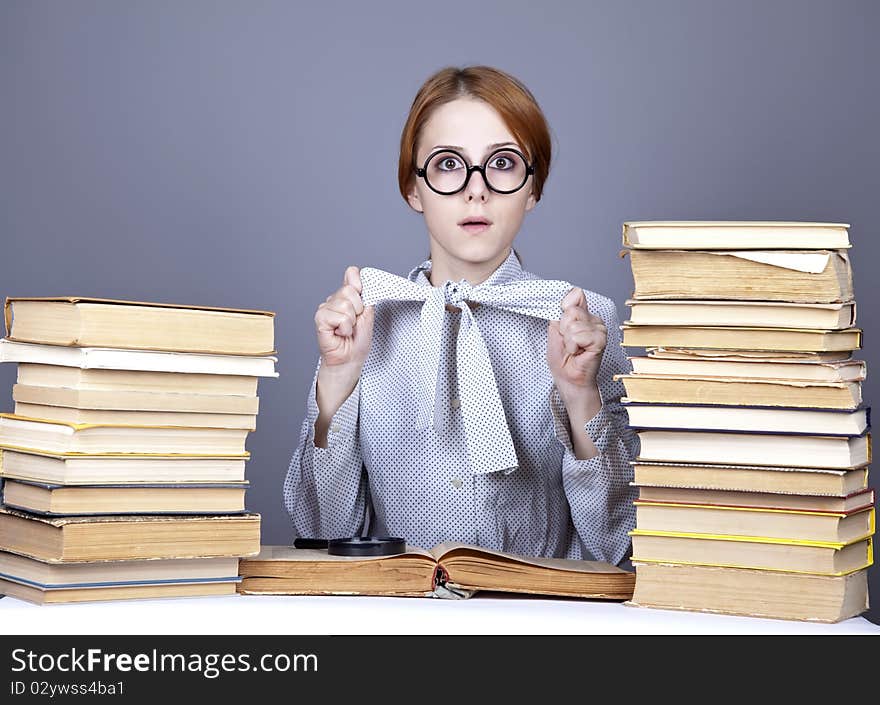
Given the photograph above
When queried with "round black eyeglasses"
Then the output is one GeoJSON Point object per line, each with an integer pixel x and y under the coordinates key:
{"type": "Point", "coordinates": [447, 172]}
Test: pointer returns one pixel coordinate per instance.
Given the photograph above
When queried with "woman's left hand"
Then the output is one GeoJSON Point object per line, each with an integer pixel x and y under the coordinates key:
{"type": "Point", "coordinates": [575, 344]}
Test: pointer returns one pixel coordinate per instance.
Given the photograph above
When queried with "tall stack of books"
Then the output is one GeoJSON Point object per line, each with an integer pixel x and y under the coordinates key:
{"type": "Point", "coordinates": [123, 466]}
{"type": "Point", "coordinates": [755, 443]}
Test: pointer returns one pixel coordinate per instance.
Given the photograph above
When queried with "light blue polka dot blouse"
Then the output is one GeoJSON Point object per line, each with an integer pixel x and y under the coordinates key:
{"type": "Point", "coordinates": [381, 475]}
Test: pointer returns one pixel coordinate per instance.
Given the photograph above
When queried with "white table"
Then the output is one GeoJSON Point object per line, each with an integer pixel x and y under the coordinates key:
{"type": "Point", "coordinates": [482, 614]}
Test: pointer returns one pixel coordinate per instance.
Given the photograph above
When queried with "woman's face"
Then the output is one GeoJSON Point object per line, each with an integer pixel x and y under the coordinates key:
{"type": "Point", "coordinates": [474, 129]}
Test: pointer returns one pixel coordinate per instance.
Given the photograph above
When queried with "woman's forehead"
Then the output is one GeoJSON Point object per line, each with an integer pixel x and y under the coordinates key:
{"type": "Point", "coordinates": [471, 126]}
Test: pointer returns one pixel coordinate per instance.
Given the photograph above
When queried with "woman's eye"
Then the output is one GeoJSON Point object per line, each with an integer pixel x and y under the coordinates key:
{"type": "Point", "coordinates": [501, 163]}
{"type": "Point", "coordinates": [448, 164]}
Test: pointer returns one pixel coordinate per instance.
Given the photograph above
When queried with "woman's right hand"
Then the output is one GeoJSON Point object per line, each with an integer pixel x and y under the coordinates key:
{"type": "Point", "coordinates": [344, 325]}
{"type": "Point", "coordinates": [345, 328]}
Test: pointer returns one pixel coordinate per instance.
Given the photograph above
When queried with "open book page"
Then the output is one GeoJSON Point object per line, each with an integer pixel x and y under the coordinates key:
{"type": "Point", "coordinates": [289, 553]}
{"type": "Point", "coordinates": [447, 548]}
{"type": "Point", "coordinates": [465, 567]}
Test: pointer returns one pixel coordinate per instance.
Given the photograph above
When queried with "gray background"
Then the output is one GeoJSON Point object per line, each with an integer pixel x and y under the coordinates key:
{"type": "Point", "coordinates": [243, 154]}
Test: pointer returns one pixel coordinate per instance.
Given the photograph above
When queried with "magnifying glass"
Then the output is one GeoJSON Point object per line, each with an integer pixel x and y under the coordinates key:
{"type": "Point", "coordinates": [356, 545]}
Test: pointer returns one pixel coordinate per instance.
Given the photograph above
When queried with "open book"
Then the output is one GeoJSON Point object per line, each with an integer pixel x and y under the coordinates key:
{"type": "Point", "coordinates": [449, 570]}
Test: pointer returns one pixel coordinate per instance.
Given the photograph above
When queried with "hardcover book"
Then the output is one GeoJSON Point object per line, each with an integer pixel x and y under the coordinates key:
{"type": "Point", "coordinates": [768, 522]}
{"type": "Point", "coordinates": [751, 478]}
{"type": "Point", "coordinates": [137, 360]}
{"type": "Point", "coordinates": [114, 323]}
{"type": "Point", "coordinates": [44, 583]}
{"type": "Point", "coordinates": [753, 593]}
{"type": "Point", "coordinates": [735, 338]}
{"type": "Point", "coordinates": [749, 314]}
{"type": "Point", "coordinates": [813, 277]}
{"type": "Point", "coordinates": [141, 498]}
{"type": "Point", "coordinates": [755, 448]}
{"type": "Point", "coordinates": [735, 391]}
{"type": "Point", "coordinates": [855, 501]}
{"type": "Point", "coordinates": [753, 552]}
{"type": "Point", "coordinates": [747, 367]}
{"type": "Point", "coordinates": [44, 435]}
{"type": "Point", "coordinates": [828, 422]}
{"type": "Point", "coordinates": [734, 235]}
{"type": "Point", "coordinates": [128, 537]}
{"type": "Point", "coordinates": [85, 469]}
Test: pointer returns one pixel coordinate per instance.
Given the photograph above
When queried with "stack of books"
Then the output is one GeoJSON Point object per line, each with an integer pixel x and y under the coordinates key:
{"type": "Point", "coordinates": [123, 466]}
{"type": "Point", "coordinates": [755, 440]}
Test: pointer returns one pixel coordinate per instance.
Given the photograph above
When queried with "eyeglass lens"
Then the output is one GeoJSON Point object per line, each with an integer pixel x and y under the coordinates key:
{"type": "Point", "coordinates": [447, 172]}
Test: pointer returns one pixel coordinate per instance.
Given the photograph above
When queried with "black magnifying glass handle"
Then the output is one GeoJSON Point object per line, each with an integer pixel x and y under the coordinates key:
{"type": "Point", "coordinates": [310, 543]}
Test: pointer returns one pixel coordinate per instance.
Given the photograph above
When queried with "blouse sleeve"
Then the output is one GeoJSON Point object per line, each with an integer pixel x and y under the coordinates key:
{"type": "Point", "coordinates": [325, 490]}
{"type": "Point", "coordinates": [598, 489]}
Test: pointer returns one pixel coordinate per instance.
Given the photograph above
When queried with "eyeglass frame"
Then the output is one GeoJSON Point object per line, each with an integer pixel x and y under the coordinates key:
{"type": "Point", "coordinates": [471, 168]}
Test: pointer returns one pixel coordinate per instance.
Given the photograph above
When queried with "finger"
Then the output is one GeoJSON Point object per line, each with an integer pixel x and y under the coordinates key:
{"type": "Point", "coordinates": [350, 294]}
{"type": "Point", "coordinates": [329, 321]}
{"type": "Point", "coordinates": [577, 319]}
{"type": "Point", "coordinates": [353, 278]}
{"type": "Point", "coordinates": [585, 340]}
{"type": "Point", "coordinates": [342, 305]}
{"type": "Point", "coordinates": [575, 297]}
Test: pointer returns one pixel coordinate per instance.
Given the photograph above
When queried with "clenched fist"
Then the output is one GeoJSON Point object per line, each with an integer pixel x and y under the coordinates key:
{"type": "Point", "coordinates": [344, 325]}
{"type": "Point", "coordinates": [575, 344]}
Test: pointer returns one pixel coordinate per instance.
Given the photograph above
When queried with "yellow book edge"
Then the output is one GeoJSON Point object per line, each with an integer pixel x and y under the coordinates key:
{"type": "Point", "coordinates": [836, 545]}
{"type": "Point", "coordinates": [77, 454]}
{"type": "Point", "coordinates": [626, 325]}
{"type": "Point", "coordinates": [82, 426]}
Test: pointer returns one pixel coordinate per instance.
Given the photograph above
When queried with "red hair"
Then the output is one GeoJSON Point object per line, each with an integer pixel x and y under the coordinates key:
{"type": "Point", "coordinates": [513, 101]}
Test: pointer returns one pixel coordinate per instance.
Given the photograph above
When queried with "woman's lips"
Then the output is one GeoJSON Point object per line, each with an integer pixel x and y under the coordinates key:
{"type": "Point", "coordinates": [475, 228]}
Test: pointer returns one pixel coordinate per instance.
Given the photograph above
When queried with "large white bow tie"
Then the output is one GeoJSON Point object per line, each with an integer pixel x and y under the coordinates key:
{"type": "Point", "coordinates": [489, 443]}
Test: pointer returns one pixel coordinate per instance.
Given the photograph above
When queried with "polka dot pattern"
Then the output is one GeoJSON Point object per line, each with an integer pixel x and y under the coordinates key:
{"type": "Point", "coordinates": [398, 461]}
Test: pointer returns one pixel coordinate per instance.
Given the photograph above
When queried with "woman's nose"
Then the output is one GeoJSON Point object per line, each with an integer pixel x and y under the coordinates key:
{"type": "Point", "coordinates": [476, 187]}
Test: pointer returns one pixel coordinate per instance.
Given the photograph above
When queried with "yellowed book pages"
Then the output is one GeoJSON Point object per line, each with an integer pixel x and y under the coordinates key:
{"type": "Point", "coordinates": [863, 499]}
{"type": "Point", "coordinates": [136, 418]}
{"type": "Point", "coordinates": [833, 527]}
{"type": "Point", "coordinates": [754, 553]}
{"type": "Point", "coordinates": [119, 359]}
{"type": "Point", "coordinates": [803, 356]}
{"type": "Point", "coordinates": [59, 437]}
{"type": "Point", "coordinates": [41, 375]}
{"type": "Point", "coordinates": [136, 401]}
{"type": "Point", "coordinates": [123, 500]}
{"type": "Point", "coordinates": [755, 448]}
{"type": "Point", "coordinates": [746, 367]}
{"type": "Point", "coordinates": [749, 314]}
{"type": "Point", "coordinates": [682, 274]}
{"type": "Point", "coordinates": [800, 481]}
{"type": "Point", "coordinates": [830, 422]}
{"type": "Point", "coordinates": [60, 575]}
{"type": "Point", "coordinates": [128, 537]}
{"type": "Point", "coordinates": [753, 593]}
{"type": "Point", "coordinates": [83, 469]}
{"type": "Point", "coordinates": [741, 338]}
{"type": "Point", "coordinates": [733, 234]}
{"type": "Point", "coordinates": [114, 323]}
{"type": "Point", "coordinates": [738, 392]}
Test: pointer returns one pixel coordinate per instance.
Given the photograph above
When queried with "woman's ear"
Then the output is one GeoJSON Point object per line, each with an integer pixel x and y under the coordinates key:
{"type": "Point", "coordinates": [413, 199]}
{"type": "Point", "coordinates": [531, 201]}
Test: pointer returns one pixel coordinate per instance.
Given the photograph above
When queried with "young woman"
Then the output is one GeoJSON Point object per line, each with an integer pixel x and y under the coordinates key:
{"type": "Point", "coordinates": [471, 401]}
